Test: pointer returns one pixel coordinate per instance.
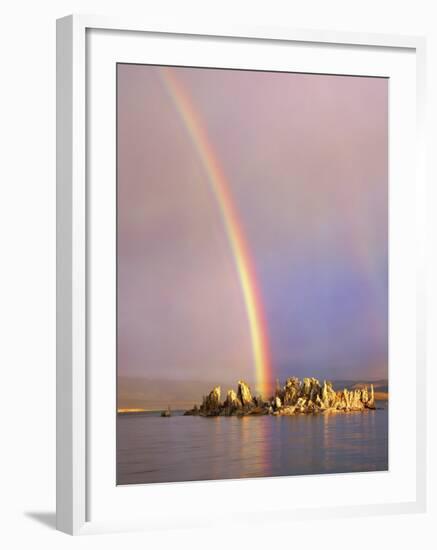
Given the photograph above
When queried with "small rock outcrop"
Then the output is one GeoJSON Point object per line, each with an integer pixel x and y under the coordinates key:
{"type": "Point", "coordinates": [244, 393]}
{"type": "Point", "coordinates": [308, 396]}
{"type": "Point", "coordinates": [211, 405]}
{"type": "Point", "coordinates": [232, 404]}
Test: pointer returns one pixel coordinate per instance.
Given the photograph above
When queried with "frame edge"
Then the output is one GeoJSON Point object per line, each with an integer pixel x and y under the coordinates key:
{"type": "Point", "coordinates": [70, 279]}
{"type": "Point", "coordinates": [422, 190]}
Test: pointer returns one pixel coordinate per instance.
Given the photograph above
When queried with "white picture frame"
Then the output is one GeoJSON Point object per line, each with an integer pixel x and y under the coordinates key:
{"type": "Point", "coordinates": [74, 464]}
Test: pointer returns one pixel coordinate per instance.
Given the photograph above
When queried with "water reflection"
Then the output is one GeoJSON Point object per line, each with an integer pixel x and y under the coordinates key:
{"type": "Point", "coordinates": [151, 449]}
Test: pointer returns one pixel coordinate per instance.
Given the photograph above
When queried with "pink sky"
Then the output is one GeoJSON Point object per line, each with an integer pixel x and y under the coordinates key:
{"type": "Point", "coordinates": [306, 160]}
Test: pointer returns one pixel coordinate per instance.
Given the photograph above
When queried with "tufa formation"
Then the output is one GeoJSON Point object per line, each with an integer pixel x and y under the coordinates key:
{"type": "Point", "coordinates": [294, 397]}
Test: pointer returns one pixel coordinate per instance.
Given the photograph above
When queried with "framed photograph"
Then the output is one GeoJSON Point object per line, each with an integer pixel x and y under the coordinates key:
{"type": "Point", "coordinates": [240, 275]}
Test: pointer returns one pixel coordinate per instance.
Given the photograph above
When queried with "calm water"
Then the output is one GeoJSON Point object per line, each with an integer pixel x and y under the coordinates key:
{"type": "Point", "coordinates": [151, 449]}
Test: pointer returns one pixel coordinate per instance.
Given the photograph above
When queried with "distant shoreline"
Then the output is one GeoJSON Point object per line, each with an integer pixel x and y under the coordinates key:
{"type": "Point", "coordinates": [157, 395]}
{"type": "Point", "coordinates": [131, 411]}
{"type": "Point", "coordinates": [379, 396]}
{"type": "Point", "coordinates": [140, 411]}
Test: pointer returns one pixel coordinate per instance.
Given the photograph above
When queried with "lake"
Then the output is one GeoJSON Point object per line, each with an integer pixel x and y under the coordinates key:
{"type": "Point", "coordinates": [151, 449]}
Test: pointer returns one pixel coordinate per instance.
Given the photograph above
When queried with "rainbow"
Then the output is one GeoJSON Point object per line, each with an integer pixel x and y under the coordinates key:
{"type": "Point", "coordinates": [234, 232]}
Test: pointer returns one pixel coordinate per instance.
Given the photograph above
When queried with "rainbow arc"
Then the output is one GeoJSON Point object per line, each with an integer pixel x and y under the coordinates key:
{"type": "Point", "coordinates": [237, 241]}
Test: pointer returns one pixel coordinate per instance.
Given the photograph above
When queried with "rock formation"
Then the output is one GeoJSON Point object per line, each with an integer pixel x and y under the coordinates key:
{"type": "Point", "coordinates": [211, 404]}
{"type": "Point", "coordinates": [308, 396]}
{"type": "Point", "coordinates": [244, 394]}
{"type": "Point", "coordinates": [232, 404]}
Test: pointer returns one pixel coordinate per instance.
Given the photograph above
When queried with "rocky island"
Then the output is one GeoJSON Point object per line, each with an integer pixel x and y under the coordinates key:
{"type": "Point", "coordinates": [308, 396]}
